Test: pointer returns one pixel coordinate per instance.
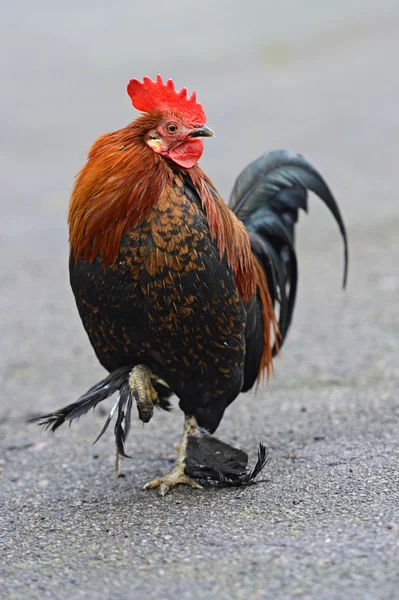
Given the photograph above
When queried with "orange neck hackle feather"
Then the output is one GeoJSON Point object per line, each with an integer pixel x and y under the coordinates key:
{"type": "Point", "coordinates": [116, 189]}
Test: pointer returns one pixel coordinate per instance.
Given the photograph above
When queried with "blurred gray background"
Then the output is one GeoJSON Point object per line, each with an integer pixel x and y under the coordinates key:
{"type": "Point", "coordinates": [317, 77]}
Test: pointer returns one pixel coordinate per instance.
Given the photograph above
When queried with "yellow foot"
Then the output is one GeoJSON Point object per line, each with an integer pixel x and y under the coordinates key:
{"type": "Point", "coordinates": [174, 478]}
{"type": "Point", "coordinates": [177, 476]}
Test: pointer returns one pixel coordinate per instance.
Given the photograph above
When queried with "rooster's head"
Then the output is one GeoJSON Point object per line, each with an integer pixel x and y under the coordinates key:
{"type": "Point", "coordinates": [176, 123]}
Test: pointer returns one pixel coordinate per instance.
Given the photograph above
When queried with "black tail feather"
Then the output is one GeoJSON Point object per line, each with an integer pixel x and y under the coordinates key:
{"type": "Point", "coordinates": [211, 460]}
{"type": "Point", "coordinates": [267, 197]}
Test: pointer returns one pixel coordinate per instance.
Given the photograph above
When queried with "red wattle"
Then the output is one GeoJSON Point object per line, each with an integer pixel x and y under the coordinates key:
{"type": "Point", "coordinates": [186, 154]}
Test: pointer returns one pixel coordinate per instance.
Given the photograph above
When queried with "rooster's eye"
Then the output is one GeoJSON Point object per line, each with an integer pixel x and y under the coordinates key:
{"type": "Point", "coordinates": [171, 127]}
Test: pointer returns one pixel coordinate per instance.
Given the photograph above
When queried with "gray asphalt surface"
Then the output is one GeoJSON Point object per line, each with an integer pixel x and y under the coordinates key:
{"type": "Point", "coordinates": [313, 78]}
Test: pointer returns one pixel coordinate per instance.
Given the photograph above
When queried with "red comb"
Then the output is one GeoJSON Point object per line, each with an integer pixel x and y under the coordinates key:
{"type": "Point", "coordinates": [156, 95]}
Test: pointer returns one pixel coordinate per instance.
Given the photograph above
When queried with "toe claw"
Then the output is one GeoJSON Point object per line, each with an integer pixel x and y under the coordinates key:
{"type": "Point", "coordinates": [164, 488]}
{"type": "Point", "coordinates": [195, 485]}
{"type": "Point", "coordinates": [157, 379]}
{"type": "Point", "coordinates": [152, 484]}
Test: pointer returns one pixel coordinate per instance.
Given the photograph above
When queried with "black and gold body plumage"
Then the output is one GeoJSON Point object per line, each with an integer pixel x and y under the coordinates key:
{"type": "Point", "coordinates": [169, 302]}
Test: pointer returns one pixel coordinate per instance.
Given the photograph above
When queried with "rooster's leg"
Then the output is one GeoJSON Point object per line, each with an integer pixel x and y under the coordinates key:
{"type": "Point", "coordinates": [177, 475]}
{"type": "Point", "coordinates": [141, 385]}
{"type": "Point", "coordinates": [117, 461]}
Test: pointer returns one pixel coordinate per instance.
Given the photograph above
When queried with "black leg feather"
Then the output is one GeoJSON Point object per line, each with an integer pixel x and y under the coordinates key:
{"type": "Point", "coordinates": [211, 460]}
{"type": "Point", "coordinates": [122, 425]}
{"type": "Point", "coordinates": [116, 381]}
{"type": "Point", "coordinates": [96, 394]}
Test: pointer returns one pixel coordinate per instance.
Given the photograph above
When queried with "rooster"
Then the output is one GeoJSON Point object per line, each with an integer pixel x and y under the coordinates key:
{"type": "Point", "coordinates": [178, 292]}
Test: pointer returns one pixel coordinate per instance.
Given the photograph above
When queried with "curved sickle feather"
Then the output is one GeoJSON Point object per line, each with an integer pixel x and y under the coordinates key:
{"type": "Point", "coordinates": [264, 178]}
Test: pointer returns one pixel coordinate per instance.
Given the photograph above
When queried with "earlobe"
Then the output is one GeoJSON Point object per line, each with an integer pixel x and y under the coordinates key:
{"type": "Point", "coordinates": [155, 145]}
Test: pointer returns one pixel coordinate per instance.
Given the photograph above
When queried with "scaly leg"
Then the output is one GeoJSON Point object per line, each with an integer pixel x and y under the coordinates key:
{"type": "Point", "coordinates": [177, 475]}
{"type": "Point", "coordinates": [117, 461]}
{"type": "Point", "coordinates": [146, 396]}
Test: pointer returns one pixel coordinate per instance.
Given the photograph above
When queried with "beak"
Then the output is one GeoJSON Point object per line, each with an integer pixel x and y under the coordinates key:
{"type": "Point", "coordinates": [203, 131]}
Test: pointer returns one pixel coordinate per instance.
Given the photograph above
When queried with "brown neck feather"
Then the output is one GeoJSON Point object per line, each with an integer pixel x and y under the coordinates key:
{"type": "Point", "coordinates": [117, 187]}
{"type": "Point", "coordinates": [230, 232]}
